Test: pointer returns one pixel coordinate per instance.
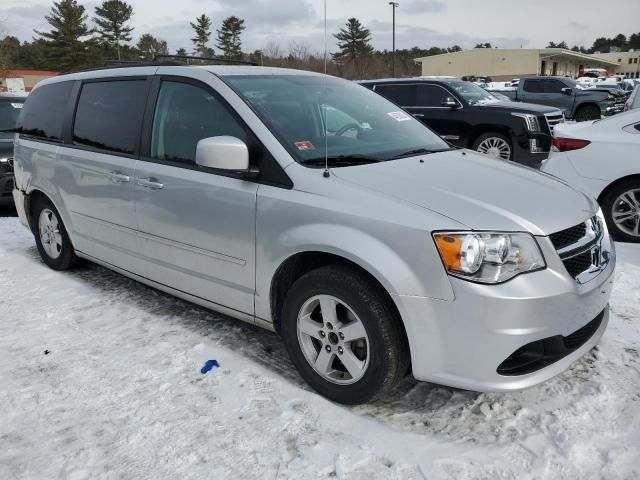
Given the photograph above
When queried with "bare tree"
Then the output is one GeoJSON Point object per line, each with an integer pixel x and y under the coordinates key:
{"type": "Point", "coordinates": [273, 50]}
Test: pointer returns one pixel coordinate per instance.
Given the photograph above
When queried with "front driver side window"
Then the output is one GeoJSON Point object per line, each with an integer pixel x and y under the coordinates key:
{"type": "Point", "coordinates": [184, 115]}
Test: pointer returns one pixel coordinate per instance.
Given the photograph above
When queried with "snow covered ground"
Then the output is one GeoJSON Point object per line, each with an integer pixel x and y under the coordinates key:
{"type": "Point", "coordinates": [120, 395]}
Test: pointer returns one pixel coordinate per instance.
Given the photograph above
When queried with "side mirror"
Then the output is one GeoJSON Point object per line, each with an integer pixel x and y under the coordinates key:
{"type": "Point", "coordinates": [450, 103]}
{"type": "Point", "coordinates": [567, 91]}
{"type": "Point", "coordinates": [223, 153]}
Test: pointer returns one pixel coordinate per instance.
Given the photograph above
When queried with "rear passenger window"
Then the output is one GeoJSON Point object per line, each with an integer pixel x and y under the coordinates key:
{"type": "Point", "coordinates": [109, 115]}
{"type": "Point", "coordinates": [398, 94]}
{"type": "Point", "coordinates": [184, 115]}
{"type": "Point", "coordinates": [43, 111]}
{"type": "Point", "coordinates": [534, 86]}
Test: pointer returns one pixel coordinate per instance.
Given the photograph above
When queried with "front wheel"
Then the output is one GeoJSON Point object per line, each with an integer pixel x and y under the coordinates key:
{"type": "Point", "coordinates": [343, 335]}
{"type": "Point", "coordinates": [621, 207]}
{"type": "Point", "coordinates": [495, 145]}
{"type": "Point", "coordinates": [589, 112]}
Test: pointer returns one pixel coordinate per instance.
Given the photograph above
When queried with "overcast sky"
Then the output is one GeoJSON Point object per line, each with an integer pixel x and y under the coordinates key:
{"type": "Point", "coordinates": [425, 23]}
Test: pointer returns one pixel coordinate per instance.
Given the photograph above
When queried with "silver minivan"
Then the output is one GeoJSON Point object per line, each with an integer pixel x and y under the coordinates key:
{"type": "Point", "coordinates": [313, 207]}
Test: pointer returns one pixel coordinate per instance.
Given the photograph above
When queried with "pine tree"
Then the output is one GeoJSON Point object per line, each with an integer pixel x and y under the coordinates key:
{"type": "Point", "coordinates": [202, 29]}
{"type": "Point", "coordinates": [354, 43]}
{"type": "Point", "coordinates": [111, 18]}
{"type": "Point", "coordinates": [182, 52]}
{"type": "Point", "coordinates": [229, 37]}
{"type": "Point", "coordinates": [65, 47]}
{"type": "Point", "coordinates": [151, 46]}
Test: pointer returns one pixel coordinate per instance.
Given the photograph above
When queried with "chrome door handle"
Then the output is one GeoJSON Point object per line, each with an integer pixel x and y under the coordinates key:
{"type": "Point", "coordinates": [419, 115]}
{"type": "Point", "coordinates": [119, 177]}
{"type": "Point", "coordinates": [151, 183]}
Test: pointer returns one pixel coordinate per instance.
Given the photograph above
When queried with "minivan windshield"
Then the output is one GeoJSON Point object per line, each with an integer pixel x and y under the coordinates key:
{"type": "Point", "coordinates": [472, 93]}
{"type": "Point", "coordinates": [362, 127]}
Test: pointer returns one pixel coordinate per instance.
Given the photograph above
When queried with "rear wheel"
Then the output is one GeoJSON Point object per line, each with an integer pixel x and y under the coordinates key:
{"type": "Point", "coordinates": [588, 112]}
{"type": "Point", "coordinates": [343, 336]}
{"type": "Point", "coordinates": [621, 207]}
{"type": "Point", "coordinates": [51, 237]}
{"type": "Point", "coordinates": [495, 145]}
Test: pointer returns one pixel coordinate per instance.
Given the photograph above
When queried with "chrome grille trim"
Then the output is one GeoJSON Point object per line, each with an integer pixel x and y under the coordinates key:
{"type": "Point", "coordinates": [553, 119]}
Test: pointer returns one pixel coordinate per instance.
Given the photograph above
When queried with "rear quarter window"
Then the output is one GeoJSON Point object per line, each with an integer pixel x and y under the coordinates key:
{"type": "Point", "coordinates": [43, 112]}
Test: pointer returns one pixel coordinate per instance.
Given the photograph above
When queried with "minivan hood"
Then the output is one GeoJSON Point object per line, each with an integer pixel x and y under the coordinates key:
{"type": "Point", "coordinates": [478, 191]}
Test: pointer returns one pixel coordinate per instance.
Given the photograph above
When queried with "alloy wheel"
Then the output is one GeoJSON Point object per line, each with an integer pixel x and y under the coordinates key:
{"type": "Point", "coordinates": [49, 230]}
{"type": "Point", "coordinates": [333, 339]}
{"type": "Point", "coordinates": [626, 212]}
{"type": "Point", "coordinates": [495, 147]}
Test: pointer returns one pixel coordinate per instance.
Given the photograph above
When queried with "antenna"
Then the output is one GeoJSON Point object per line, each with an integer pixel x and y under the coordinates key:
{"type": "Point", "coordinates": [326, 173]}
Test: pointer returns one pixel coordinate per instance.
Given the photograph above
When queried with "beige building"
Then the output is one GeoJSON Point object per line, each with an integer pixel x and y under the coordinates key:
{"type": "Point", "coordinates": [503, 65]}
{"type": "Point", "coordinates": [628, 62]}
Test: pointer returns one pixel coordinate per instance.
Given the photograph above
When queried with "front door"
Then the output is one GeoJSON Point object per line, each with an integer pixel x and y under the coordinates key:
{"type": "Point", "coordinates": [196, 225]}
{"type": "Point", "coordinates": [445, 121]}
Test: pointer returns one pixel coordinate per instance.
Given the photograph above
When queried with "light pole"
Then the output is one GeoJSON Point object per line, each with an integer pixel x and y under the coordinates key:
{"type": "Point", "coordinates": [394, 5]}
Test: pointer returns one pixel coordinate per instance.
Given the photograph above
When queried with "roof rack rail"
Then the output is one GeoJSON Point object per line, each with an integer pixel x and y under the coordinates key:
{"type": "Point", "coordinates": [128, 63]}
{"type": "Point", "coordinates": [216, 60]}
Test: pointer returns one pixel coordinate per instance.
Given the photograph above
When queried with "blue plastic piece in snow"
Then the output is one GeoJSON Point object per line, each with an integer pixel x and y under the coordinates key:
{"type": "Point", "coordinates": [208, 365]}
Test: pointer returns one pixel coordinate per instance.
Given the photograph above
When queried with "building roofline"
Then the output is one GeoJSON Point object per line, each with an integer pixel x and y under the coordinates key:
{"type": "Point", "coordinates": [541, 51]}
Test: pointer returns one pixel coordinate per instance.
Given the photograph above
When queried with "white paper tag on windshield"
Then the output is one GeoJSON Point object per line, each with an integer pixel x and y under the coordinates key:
{"type": "Point", "coordinates": [17, 105]}
{"type": "Point", "coordinates": [399, 116]}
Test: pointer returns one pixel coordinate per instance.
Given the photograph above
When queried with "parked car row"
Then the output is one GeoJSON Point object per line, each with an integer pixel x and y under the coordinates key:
{"type": "Point", "coordinates": [467, 116]}
{"type": "Point", "coordinates": [316, 208]}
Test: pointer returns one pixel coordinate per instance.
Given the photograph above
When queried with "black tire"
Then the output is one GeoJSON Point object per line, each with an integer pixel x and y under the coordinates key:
{"type": "Point", "coordinates": [388, 350]}
{"type": "Point", "coordinates": [67, 257]}
{"type": "Point", "coordinates": [486, 136]}
{"type": "Point", "coordinates": [607, 203]}
{"type": "Point", "coordinates": [588, 112]}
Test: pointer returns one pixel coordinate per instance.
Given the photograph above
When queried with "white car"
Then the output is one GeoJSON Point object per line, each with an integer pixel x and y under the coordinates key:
{"type": "Point", "coordinates": [634, 99]}
{"type": "Point", "coordinates": [602, 159]}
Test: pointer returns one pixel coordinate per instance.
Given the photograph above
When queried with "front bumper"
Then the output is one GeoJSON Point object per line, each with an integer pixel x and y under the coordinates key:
{"type": "Point", "coordinates": [462, 343]}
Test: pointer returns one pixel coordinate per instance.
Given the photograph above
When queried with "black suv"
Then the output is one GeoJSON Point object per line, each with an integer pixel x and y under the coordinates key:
{"type": "Point", "coordinates": [9, 109]}
{"type": "Point", "coordinates": [470, 117]}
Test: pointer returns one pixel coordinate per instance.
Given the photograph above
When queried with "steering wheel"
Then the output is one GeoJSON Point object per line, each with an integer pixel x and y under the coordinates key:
{"type": "Point", "coordinates": [347, 127]}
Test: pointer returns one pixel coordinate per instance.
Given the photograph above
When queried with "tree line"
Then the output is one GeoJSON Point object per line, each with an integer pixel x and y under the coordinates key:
{"type": "Point", "coordinates": [78, 41]}
{"type": "Point", "coordinates": [619, 43]}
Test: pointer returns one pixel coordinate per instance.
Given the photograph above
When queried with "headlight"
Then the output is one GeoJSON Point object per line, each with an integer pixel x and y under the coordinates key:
{"type": "Point", "coordinates": [4, 159]}
{"type": "Point", "coordinates": [488, 257]}
{"type": "Point", "coordinates": [531, 121]}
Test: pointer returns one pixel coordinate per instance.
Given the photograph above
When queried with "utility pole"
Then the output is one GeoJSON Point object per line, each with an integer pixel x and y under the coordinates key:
{"type": "Point", "coordinates": [394, 5]}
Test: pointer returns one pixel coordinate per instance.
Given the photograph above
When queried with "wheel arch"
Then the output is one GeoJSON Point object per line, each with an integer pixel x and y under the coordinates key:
{"type": "Point", "coordinates": [298, 264]}
{"type": "Point", "coordinates": [615, 183]}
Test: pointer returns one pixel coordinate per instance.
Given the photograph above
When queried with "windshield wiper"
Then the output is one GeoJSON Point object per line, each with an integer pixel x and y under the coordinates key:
{"type": "Point", "coordinates": [341, 160]}
{"type": "Point", "coordinates": [420, 151]}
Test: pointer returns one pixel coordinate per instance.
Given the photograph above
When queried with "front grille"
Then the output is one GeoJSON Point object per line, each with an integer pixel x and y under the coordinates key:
{"type": "Point", "coordinates": [554, 119]}
{"type": "Point", "coordinates": [578, 264]}
{"type": "Point", "coordinates": [542, 353]}
{"type": "Point", "coordinates": [569, 236]}
{"type": "Point", "coordinates": [579, 247]}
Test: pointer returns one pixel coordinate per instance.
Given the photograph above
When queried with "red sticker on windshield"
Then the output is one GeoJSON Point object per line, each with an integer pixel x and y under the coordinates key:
{"type": "Point", "coordinates": [305, 146]}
